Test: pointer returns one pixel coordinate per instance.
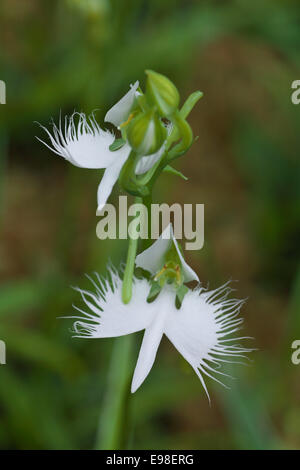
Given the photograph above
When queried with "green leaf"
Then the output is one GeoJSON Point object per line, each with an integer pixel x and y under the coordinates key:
{"type": "Point", "coordinates": [173, 171]}
{"type": "Point", "coordinates": [180, 295]}
{"type": "Point", "coordinates": [154, 291]}
{"type": "Point", "coordinates": [190, 103]}
{"type": "Point", "coordinates": [117, 144]}
{"type": "Point", "coordinates": [113, 423]}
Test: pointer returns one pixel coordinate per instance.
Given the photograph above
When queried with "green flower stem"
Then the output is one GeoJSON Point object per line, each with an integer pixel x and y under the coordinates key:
{"type": "Point", "coordinates": [114, 418]}
{"type": "Point", "coordinates": [129, 268]}
{"type": "Point", "coordinates": [128, 273]}
{"type": "Point", "coordinates": [113, 424]}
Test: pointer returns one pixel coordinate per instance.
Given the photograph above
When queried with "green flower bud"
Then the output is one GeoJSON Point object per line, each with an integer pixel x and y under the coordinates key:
{"type": "Point", "coordinates": [146, 133]}
{"type": "Point", "coordinates": [162, 93]}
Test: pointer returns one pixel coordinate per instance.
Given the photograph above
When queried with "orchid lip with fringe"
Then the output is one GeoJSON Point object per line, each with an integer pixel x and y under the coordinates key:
{"type": "Point", "coordinates": [200, 330]}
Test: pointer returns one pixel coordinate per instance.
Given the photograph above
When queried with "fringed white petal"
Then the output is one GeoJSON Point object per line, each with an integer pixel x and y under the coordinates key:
{"type": "Point", "coordinates": [151, 258]}
{"type": "Point", "coordinates": [201, 330]}
{"type": "Point", "coordinates": [82, 142]}
{"type": "Point", "coordinates": [120, 111]}
{"type": "Point", "coordinates": [106, 315]}
{"type": "Point", "coordinates": [200, 327]}
{"type": "Point", "coordinates": [110, 176]}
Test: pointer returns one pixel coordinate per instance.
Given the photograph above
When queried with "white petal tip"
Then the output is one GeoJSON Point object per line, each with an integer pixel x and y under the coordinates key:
{"type": "Point", "coordinates": [135, 385]}
{"type": "Point", "coordinates": [100, 209]}
{"type": "Point", "coordinates": [194, 277]}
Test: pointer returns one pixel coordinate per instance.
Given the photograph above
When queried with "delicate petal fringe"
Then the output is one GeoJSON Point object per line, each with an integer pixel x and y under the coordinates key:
{"type": "Point", "coordinates": [106, 314]}
{"type": "Point", "coordinates": [201, 330]}
{"type": "Point", "coordinates": [81, 141]}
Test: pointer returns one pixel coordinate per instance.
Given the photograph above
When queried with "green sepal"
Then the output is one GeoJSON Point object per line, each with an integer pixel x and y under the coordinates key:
{"type": "Point", "coordinates": [117, 144]}
{"type": "Point", "coordinates": [154, 291]}
{"type": "Point", "coordinates": [190, 103]}
{"type": "Point", "coordinates": [184, 130]}
{"type": "Point", "coordinates": [177, 151]}
{"type": "Point", "coordinates": [180, 293]}
{"type": "Point", "coordinates": [141, 273]}
{"type": "Point", "coordinates": [173, 171]}
{"type": "Point", "coordinates": [184, 112]}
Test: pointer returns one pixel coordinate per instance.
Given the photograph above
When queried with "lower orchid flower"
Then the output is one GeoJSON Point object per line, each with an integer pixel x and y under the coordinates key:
{"type": "Point", "coordinates": [200, 329]}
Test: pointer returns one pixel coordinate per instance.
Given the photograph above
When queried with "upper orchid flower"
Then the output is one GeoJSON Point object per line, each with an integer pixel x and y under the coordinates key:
{"type": "Point", "coordinates": [86, 145]}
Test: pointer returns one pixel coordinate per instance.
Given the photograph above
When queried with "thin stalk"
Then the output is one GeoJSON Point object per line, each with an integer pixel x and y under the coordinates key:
{"type": "Point", "coordinates": [129, 268]}
{"type": "Point", "coordinates": [128, 273]}
{"type": "Point", "coordinates": [114, 419]}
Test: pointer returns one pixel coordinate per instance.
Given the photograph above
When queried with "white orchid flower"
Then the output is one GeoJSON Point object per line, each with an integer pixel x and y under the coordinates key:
{"type": "Point", "coordinates": [86, 145]}
{"type": "Point", "coordinates": [200, 330]}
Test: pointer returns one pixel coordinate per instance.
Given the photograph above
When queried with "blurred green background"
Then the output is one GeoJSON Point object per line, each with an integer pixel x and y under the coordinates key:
{"type": "Point", "coordinates": [82, 54]}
